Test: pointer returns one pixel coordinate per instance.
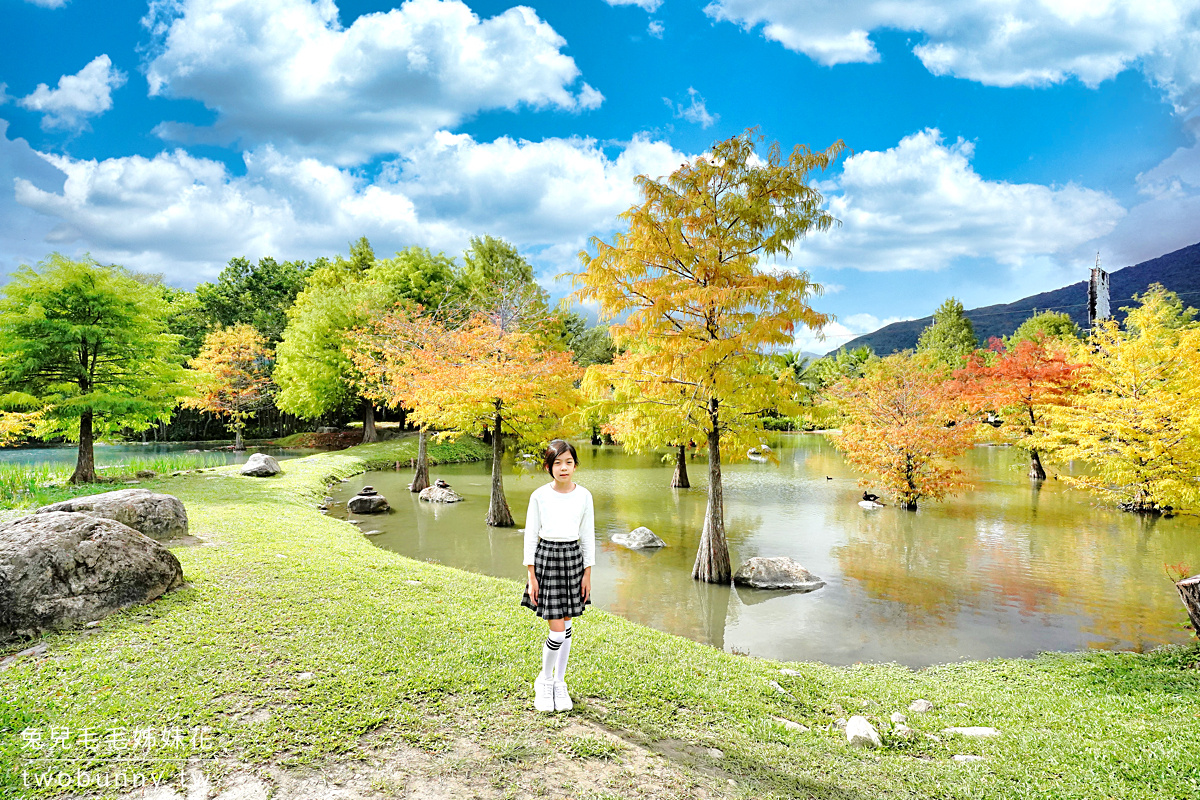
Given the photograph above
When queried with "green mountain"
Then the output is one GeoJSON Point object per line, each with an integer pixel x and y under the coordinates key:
{"type": "Point", "coordinates": [1178, 271]}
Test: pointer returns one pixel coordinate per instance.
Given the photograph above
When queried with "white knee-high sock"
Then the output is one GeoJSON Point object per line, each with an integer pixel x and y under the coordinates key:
{"type": "Point", "coordinates": [550, 654]}
{"type": "Point", "coordinates": [563, 653]}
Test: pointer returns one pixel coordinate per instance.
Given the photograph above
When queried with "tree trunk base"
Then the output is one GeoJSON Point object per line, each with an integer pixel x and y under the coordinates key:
{"type": "Point", "coordinates": [1189, 592]}
{"type": "Point", "coordinates": [421, 479]}
{"type": "Point", "coordinates": [680, 479]}
{"type": "Point", "coordinates": [1036, 471]}
{"type": "Point", "coordinates": [369, 432]}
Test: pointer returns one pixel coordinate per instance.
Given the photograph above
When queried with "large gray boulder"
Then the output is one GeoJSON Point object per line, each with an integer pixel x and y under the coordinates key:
{"type": "Point", "coordinates": [261, 465]}
{"type": "Point", "coordinates": [776, 573]}
{"type": "Point", "coordinates": [439, 494]}
{"type": "Point", "coordinates": [638, 539]}
{"type": "Point", "coordinates": [60, 568]}
{"type": "Point", "coordinates": [159, 516]}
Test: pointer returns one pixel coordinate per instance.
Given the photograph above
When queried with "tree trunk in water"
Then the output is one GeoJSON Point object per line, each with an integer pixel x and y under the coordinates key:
{"type": "Point", "coordinates": [369, 434]}
{"type": "Point", "coordinates": [498, 515]}
{"type": "Point", "coordinates": [680, 479]}
{"type": "Point", "coordinates": [85, 465]}
{"type": "Point", "coordinates": [1036, 472]}
{"type": "Point", "coordinates": [421, 479]}
{"type": "Point", "coordinates": [596, 436]}
{"type": "Point", "coordinates": [238, 444]}
{"type": "Point", "coordinates": [712, 558]}
{"type": "Point", "coordinates": [1189, 592]}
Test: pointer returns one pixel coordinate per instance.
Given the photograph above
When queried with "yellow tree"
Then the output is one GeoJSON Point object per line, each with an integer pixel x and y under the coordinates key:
{"type": "Point", "coordinates": [16, 424]}
{"type": "Point", "coordinates": [699, 311]}
{"type": "Point", "coordinates": [645, 414]}
{"type": "Point", "coordinates": [232, 372]}
{"type": "Point", "coordinates": [475, 376]}
{"type": "Point", "coordinates": [903, 424]}
{"type": "Point", "coordinates": [1137, 420]}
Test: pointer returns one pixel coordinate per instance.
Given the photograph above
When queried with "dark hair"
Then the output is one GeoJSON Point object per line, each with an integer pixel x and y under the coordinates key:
{"type": "Point", "coordinates": [556, 449]}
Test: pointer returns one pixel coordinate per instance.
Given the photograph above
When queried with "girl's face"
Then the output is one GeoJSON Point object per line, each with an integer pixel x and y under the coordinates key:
{"type": "Point", "coordinates": [564, 468]}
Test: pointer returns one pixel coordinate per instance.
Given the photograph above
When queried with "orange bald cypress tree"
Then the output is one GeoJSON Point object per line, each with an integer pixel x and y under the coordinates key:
{"type": "Point", "coordinates": [904, 423]}
{"type": "Point", "coordinates": [699, 311]}
{"type": "Point", "coordinates": [470, 377]}
{"type": "Point", "coordinates": [1022, 381]}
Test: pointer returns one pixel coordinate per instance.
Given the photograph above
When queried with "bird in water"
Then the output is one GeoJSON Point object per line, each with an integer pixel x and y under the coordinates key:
{"type": "Point", "coordinates": [828, 478]}
{"type": "Point", "coordinates": [441, 484]}
{"type": "Point", "coordinates": [870, 498]}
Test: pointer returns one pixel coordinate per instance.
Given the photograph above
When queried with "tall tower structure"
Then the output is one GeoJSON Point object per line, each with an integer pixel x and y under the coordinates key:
{"type": "Point", "coordinates": [1098, 308]}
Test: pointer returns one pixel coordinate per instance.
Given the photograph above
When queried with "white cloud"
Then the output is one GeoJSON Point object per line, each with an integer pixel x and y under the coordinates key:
{"type": "Point", "coordinates": [48, 3]}
{"type": "Point", "coordinates": [22, 230]}
{"type": "Point", "coordinates": [655, 29]}
{"type": "Point", "coordinates": [187, 216]}
{"type": "Point", "coordinates": [695, 111]}
{"type": "Point", "coordinates": [85, 94]}
{"type": "Point", "coordinates": [1167, 219]}
{"type": "Point", "coordinates": [646, 5]}
{"type": "Point", "coordinates": [285, 72]}
{"type": "Point", "coordinates": [838, 332]}
{"type": "Point", "coordinates": [1006, 43]}
{"type": "Point", "coordinates": [921, 205]}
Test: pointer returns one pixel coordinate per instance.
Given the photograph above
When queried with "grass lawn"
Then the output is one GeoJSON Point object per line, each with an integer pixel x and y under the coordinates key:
{"type": "Point", "coordinates": [299, 645]}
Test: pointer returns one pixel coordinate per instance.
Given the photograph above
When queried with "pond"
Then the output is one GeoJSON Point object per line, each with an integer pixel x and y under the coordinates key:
{"type": "Point", "coordinates": [1007, 569]}
{"type": "Point", "coordinates": [116, 454]}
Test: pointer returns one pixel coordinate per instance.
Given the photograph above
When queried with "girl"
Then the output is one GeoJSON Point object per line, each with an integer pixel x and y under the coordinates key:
{"type": "Point", "coordinates": [560, 549]}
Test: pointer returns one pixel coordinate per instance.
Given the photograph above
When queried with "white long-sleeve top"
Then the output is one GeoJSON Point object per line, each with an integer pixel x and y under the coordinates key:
{"type": "Point", "coordinates": [561, 517]}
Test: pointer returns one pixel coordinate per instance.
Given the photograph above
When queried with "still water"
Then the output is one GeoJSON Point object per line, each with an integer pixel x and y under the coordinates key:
{"type": "Point", "coordinates": [1007, 569]}
{"type": "Point", "coordinates": [116, 454]}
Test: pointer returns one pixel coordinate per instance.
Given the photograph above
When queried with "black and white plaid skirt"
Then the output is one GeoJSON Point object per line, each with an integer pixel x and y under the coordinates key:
{"type": "Point", "coordinates": [558, 567]}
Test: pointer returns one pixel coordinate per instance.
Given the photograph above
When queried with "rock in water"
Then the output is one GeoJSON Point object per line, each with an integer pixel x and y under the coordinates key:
{"type": "Point", "coordinates": [440, 494]}
{"type": "Point", "coordinates": [261, 465]}
{"type": "Point", "coordinates": [638, 538]}
{"type": "Point", "coordinates": [61, 568]}
{"type": "Point", "coordinates": [367, 501]}
{"type": "Point", "coordinates": [776, 573]}
{"type": "Point", "coordinates": [159, 516]}
{"type": "Point", "coordinates": [861, 733]}
{"type": "Point", "coordinates": [869, 504]}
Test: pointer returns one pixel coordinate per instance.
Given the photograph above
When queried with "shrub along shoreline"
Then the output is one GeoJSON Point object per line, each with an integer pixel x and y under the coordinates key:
{"type": "Point", "coordinates": [290, 612]}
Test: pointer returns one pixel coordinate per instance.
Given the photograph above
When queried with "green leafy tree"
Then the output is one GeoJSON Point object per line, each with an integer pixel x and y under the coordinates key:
{"type": "Point", "coordinates": [1044, 325]}
{"type": "Point", "coordinates": [87, 343]}
{"type": "Point", "coordinates": [950, 338]}
{"type": "Point", "coordinates": [500, 285]}
{"type": "Point", "coordinates": [186, 318]}
{"type": "Point", "coordinates": [315, 377]}
{"type": "Point", "coordinates": [255, 294]}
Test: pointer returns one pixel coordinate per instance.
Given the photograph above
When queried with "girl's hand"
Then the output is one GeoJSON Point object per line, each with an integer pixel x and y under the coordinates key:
{"type": "Point", "coordinates": [533, 589]}
{"type": "Point", "coordinates": [586, 586]}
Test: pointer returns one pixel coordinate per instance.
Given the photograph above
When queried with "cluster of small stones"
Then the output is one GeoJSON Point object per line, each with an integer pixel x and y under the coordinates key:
{"type": "Point", "coordinates": [860, 732]}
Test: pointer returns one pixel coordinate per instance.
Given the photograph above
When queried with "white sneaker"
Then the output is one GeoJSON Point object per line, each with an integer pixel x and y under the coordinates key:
{"type": "Point", "coordinates": [562, 697]}
{"type": "Point", "coordinates": [543, 695]}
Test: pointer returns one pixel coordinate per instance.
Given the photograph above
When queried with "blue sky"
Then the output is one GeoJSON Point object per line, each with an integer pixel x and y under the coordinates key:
{"type": "Point", "coordinates": [993, 148]}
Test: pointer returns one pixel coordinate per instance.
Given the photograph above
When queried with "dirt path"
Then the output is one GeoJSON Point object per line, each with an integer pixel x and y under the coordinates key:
{"type": "Point", "coordinates": [580, 759]}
